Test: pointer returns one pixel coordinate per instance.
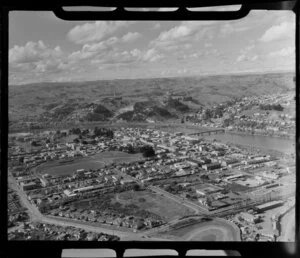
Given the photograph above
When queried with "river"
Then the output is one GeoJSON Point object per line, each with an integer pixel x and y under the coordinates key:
{"type": "Point", "coordinates": [286, 146]}
{"type": "Point", "coordinates": [283, 145]}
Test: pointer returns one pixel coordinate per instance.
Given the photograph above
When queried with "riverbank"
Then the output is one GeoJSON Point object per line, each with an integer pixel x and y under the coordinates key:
{"type": "Point", "coordinates": [287, 224]}
{"type": "Point", "coordinates": [282, 136]}
{"type": "Point", "coordinates": [254, 143]}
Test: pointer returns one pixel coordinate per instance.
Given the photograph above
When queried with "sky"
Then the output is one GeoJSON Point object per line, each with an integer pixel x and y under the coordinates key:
{"type": "Point", "coordinates": [44, 48]}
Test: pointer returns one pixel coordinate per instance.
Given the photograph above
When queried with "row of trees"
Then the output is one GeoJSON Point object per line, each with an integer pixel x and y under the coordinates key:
{"type": "Point", "coordinates": [96, 132]}
{"type": "Point", "coordinates": [276, 107]}
{"type": "Point", "coordinates": [103, 132]}
{"type": "Point", "coordinates": [146, 150]}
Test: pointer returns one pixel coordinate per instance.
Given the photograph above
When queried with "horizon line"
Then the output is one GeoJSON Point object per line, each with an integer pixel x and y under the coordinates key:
{"type": "Point", "coordinates": [235, 73]}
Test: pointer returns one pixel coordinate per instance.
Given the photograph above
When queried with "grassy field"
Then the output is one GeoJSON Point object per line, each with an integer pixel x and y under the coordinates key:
{"type": "Point", "coordinates": [96, 161]}
{"type": "Point", "coordinates": [116, 157]}
{"type": "Point", "coordinates": [70, 168]}
{"type": "Point", "coordinates": [154, 203]}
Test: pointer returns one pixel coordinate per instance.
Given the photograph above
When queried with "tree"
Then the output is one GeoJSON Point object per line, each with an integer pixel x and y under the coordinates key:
{"type": "Point", "coordinates": [226, 122]}
{"type": "Point", "coordinates": [43, 207]}
{"type": "Point", "coordinates": [147, 151]}
{"type": "Point", "coordinates": [110, 134]}
{"type": "Point", "coordinates": [209, 200]}
{"type": "Point", "coordinates": [34, 143]}
{"type": "Point", "coordinates": [75, 131]}
{"type": "Point", "coordinates": [130, 149]}
{"type": "Point", "coordinates": [136, 187]}
{"type": "Point", "coordinates": [207, 114]}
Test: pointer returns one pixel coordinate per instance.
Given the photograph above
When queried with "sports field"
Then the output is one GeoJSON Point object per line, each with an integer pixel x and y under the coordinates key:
{"type": "Point", "coordinates": [215, 230]}
{"type": "Point", "coordinates": [94, 162]}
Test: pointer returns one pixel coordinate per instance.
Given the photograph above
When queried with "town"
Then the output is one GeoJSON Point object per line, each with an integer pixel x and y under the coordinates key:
{"type": "Point", "coordinates": [137, 182]}
{"type": "Point", "coordinates": [259, 115]}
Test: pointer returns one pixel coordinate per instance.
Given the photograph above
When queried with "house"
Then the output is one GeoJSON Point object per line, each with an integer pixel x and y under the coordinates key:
{"type": "Point", "coordinates": [248, 217]}
{"type": "Point", "coordinates": [126, 181]}
{"type": "Point", "coordinates": [270, 175]}
{"type": "Point", "coordinates": [211, 166]}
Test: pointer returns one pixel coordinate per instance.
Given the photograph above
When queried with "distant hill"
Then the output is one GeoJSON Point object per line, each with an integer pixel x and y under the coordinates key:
{"type": "Point", "coordinates": [100, 100]}
{"type": "Point", "coordinates": [145, 110]}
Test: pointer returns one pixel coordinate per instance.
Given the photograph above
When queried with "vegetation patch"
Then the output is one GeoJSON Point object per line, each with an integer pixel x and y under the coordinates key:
{"type": "Point", "coordinates": [154, 203]}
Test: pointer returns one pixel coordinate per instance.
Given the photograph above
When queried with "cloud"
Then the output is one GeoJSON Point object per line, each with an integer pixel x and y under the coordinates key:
{"type": "Point", "coordinates": [32, 52]}
{"type": "Point", "coordinates": [91, 32]}
{"type": "Point", "coordinates": [284, 52]}
{"type": "Point", "coordinates": [131, 36]}
{"type": "Point", "coordinates": [194, 25]}
{"type": "Point", "coordinates": [229, 28]}
{"type": "Point", "coordinates": [182, 71]}
{"type": "Point", "coordinates": [36, 57]}
{"type": "Point", "coordinates": [240, 58]}
{"type": "Point", "coordinates": [197, 55]}
{"type": "Point", "coordinates": [35, 61]}
{"type": "Point", "coordinates": [152, 55]}
{"type": "Point", "coordinates": [246, 53]}
{"type": "Point", "coordinates": [91, 50]}
{"type": "Point", "coordinates": [253, 58]}
{"type": "Point", "coordinates": [50, 66]}
{"type": "Point", "coordinates": [173, 38]}
{"type": "Point", "coordinates": [277, 32]}
{"type": "Point", "coordinates": [244, 57]}
{"type": "Point", "coordinates": [175, 33]}
{"type": "Point", "coordinates": [207, 45]}
{"type": "Point", "coordinates": [126, 57]}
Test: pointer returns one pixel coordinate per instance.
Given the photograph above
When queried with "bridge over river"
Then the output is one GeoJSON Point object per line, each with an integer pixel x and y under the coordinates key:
{"type": "Point", "coordinates": [209, 132]}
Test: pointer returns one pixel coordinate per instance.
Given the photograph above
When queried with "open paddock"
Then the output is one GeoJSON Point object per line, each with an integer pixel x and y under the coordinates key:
{"type": "Point", "coordinates": [154, 203]}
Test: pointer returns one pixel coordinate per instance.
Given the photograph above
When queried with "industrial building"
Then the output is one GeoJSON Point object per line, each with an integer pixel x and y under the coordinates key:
{"type": "Point", "coordinates": [208, 190]}
{"type": "Point", "coordinates": [211, 166]}
{"type": "Point", "coordinates": [268, 205]}
{"type": "Point", "coordinates": [234, 177]}
{"type": "Point", "coordinates": [28, 186]}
